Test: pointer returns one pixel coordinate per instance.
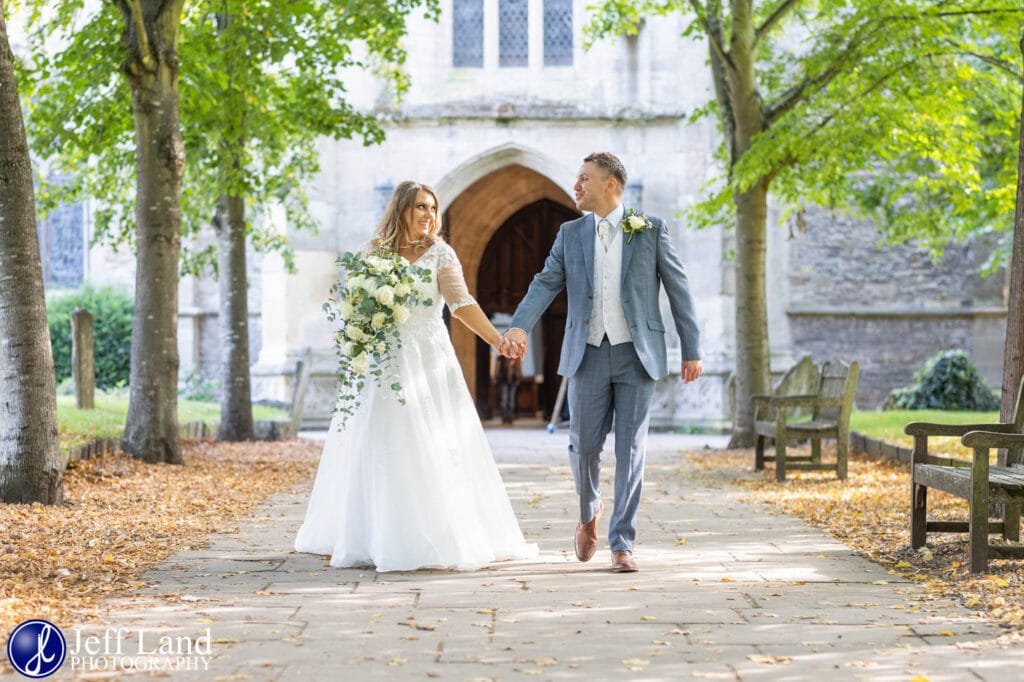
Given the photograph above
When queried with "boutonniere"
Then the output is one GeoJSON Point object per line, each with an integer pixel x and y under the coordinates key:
{"type": "Point", "coordinates": [633, 223]}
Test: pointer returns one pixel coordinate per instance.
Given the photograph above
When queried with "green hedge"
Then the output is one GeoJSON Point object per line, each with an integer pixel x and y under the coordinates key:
{"type": "Point", "coordinates": [112, 333]}
{"type": "Point", "coordinates": [949, 381]}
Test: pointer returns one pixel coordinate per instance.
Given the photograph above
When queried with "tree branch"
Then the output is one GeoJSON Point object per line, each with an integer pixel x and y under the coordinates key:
{"type": "Point", "coordinates": [726, 115]}
{"type": "Point", "coordinates": [882, 80]}
{"type": "Point", "coordinates": [794, 95]}
{"type": "Point", "coordinates": [775, 17]}
{"type": "Point", "coordinates": [146, 55]}
{"type": "Point", "coordinates": [714, 36]}
{"type": "Point", "coordinates": [1003, 66]}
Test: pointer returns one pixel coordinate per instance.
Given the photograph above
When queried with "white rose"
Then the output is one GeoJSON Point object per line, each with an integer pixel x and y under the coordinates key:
{"type": "Point", "coordinates": [346, 308]}
{"type": "Point", "coordinates": [403, 289]}
{"type": "Point", "coordinates": [378, 320]}
{"type": "Point", "coordinates": [636, 222]}
{"type": "Point", "coordinates": [401, 313]}
{"type": "Point", "coordinates": [381, 347]}
{"type": "Point", "coordinates": [385, 295]}
{"type": "Point", "coordinates": [347, 349]}
{"type": "Point", "coordinates": [361, 363]}
{"type": "Point", "coordinates": [355, 333]}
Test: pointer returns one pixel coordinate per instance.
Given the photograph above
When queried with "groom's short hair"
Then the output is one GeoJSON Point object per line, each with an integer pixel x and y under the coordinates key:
{"type": "Point", "coordinates": [611, 165]}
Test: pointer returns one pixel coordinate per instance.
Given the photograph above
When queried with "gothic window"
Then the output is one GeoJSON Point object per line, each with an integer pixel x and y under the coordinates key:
{"type": "Point", "coordinates": [557, 32]}
{"type": "Point", "coordinates": [634, 195]}
{"type": "Point", "coordinates": [382, 192]}
{"type": "Point", "coordinates": [62, 245]}
{"type": "Point", "coordinates": [513, 27]}
{"type": "Point", "coordinates": [468, 33]}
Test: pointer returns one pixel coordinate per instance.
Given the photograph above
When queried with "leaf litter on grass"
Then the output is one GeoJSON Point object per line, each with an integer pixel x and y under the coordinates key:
{"type": "Point", "coordinates": [122, 516]}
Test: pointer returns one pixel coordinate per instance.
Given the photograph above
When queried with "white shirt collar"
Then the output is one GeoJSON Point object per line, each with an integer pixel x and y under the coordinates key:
{"type": "Point", "coordinates": [615, 217]}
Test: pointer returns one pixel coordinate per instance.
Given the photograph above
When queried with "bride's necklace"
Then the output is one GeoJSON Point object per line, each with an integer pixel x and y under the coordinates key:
{"type": "Point", "coordinates": [411, 247]}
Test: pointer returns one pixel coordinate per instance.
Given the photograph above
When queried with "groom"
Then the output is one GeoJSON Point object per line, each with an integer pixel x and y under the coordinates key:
{"type": "Point", "coordinates": [613, 264]}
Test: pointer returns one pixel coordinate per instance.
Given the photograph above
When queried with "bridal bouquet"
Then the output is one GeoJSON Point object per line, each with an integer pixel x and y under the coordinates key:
{"type": "Point", "coordinates": [375, 296]}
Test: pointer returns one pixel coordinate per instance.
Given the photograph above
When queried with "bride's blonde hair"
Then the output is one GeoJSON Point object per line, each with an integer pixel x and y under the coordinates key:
{"type": "Point", "coordinates": [393, 226]}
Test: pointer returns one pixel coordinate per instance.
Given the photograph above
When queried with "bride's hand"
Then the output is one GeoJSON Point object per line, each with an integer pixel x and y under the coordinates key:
{"type": "Point", "coordinates": [503, 347]}
{"type": "Point", "coordinates": [515, 343]}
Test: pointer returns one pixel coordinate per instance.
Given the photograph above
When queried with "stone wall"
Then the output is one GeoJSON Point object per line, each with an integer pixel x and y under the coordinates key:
{"type": "Point", "coordinates": [889, 307]}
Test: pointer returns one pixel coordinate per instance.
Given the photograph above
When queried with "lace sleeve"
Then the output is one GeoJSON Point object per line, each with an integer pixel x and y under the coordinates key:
{"type": "Point", "coordinates": [451, 281]}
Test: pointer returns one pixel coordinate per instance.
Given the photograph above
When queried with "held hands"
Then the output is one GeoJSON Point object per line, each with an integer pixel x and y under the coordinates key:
{"type": "Point", "coordinates": [691, 370]}
{"type": "Point", "coordinates": [513, 344]}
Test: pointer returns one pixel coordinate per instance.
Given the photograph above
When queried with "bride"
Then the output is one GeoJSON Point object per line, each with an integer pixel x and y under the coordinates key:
{"type": "Point", "coordinates": [410, 486]}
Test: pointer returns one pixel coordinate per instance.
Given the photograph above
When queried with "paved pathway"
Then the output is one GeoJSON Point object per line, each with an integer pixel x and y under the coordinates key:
{"type": "Point", "coordinates": [726, 591]}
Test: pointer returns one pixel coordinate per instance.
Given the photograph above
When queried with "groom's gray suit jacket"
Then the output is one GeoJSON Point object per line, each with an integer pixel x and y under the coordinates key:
{"type": "Point", "coordinates": [648, 260]}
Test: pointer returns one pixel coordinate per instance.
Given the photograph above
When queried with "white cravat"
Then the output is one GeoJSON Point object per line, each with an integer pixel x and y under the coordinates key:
{"type": "Point", "coordinates": [603, 228]}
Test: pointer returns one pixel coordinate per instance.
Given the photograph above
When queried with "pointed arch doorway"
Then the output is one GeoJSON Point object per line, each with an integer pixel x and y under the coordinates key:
{"type": "Point", "coordinates": [516, 253]}
{"type": "Point", "coordinates": [502, 226]}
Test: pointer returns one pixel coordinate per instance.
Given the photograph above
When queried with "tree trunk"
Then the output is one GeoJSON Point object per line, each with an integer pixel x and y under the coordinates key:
{"type": "Point", "coordinates": [747, 122]}
{"type": "Point", "coordinates": [752, 350]}
{"type": "Point", "coordinates": [151, 430]}
{"type": "Point", "coordinates": [1013, 349]}
{"type": "Point", "coordinates": [31, 468]}
{"type": "Point", "coordinates": [235, 396]}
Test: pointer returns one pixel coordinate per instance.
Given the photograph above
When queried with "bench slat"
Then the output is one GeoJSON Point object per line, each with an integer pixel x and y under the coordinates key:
{"type": "Point", "coordinates": [1005, 552]}
{"type": "Point", "coordinates": [961, 527]}
{"type": "Point", "coordinates": [810, 466]}
{"type": "Point", "coordinates": [953, 480]}
{"type": "Point", "coordinates": [956, 479]}
{"type": "Point", "coordinates": [799, 428]}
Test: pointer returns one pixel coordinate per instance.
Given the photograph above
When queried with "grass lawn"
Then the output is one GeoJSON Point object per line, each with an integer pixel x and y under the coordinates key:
{"type": "Point", "coordinates": [107, 420]}
{"type": "Point", "coordinates": [888, 426]}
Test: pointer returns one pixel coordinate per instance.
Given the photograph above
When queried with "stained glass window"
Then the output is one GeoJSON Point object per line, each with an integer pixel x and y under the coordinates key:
{"type": "Point", "coordinates": [468, 33]}
{"type": "Point", "coordinates": [514, 32]}
{"type": "Point", "coordinates": [557, 32]}
{"type": "Point", "coordinates": [382, 192]}
{"type": "Point", "coordinates": [634, 195]}
{"type": "Point", "coordinates": [62, 244]}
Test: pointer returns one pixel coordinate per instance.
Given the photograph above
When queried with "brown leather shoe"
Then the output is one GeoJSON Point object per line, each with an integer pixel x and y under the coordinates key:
{"type": "Point", "coordinates": [622, 562]}
{"type": "Point", "coordinates": [585, 539]}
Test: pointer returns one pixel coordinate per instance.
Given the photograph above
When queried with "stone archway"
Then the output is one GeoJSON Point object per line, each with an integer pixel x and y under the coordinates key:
{"type": "Point", "coordinates": [471, 221]}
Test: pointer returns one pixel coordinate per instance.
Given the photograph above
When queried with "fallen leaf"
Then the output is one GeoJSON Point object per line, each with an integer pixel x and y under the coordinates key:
{"type": "Point", "coordinates": [769, 660]}
{"type": "Point", "coordinates": [636, 664]}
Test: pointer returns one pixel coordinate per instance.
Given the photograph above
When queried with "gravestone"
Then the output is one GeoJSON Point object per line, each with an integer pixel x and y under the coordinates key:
{"type": "Point", "coordinates": [83, 365]}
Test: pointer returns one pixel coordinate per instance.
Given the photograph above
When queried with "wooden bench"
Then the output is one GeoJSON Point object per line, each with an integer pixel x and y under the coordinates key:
{"type": "Point", "coordinates": [976, 481]}
{"type": "Point", "coordinates": [830, 407]}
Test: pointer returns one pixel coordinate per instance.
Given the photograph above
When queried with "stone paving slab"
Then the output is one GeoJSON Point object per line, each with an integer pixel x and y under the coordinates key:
{"type": "Point", "coordinates": [726, 591]}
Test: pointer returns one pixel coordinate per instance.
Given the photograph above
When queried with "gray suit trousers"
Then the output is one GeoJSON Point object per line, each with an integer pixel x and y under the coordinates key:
{"type": "Point", "coordinates": [611, 385]}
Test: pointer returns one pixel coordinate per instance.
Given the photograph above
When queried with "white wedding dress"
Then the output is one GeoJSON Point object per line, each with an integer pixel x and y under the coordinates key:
{"type": "Point", "coordinates": [402, 487]}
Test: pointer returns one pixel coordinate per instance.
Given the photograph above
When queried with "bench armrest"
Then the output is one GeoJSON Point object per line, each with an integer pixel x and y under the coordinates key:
{"type": "Point", "coordinates": [928, 429]}
{"type": "Point", "coordinates": [992, 439]}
